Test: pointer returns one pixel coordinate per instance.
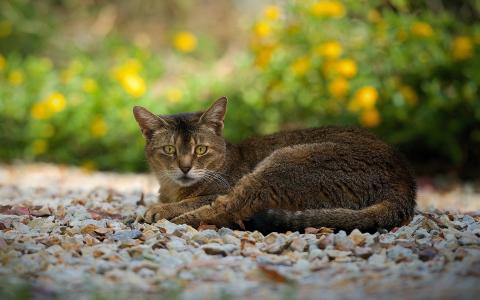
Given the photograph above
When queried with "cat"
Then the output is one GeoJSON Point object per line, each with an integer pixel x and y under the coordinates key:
{"type": "Point", "coordinates": [342, 178]}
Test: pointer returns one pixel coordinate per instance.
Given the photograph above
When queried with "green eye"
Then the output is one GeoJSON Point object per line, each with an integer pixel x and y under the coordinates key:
{"type": "Point", "coordinates": [169, 149]}
{"type": "Point", "coordinates": [200, 150]}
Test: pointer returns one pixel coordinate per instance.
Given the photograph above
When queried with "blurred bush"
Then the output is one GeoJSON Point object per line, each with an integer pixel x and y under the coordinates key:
{"type": "Point", "coordinates": [408, 70]}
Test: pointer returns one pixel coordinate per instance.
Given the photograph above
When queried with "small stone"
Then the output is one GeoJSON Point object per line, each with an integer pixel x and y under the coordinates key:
{"type": "Point", "coordinates": [467, 239]}
{"type": "Point", "coordinates": [225, 231]}
{"type": "Point", "coordinates": [42, 212]}
{"type": "Point", "coordinates": [166, 225]}
{"type": "Point", "coordinates": [54, 249]}
{"type": "Point", "coordinates": [459, 225]}
{"type": "Point", "coordinates": [363, 252]}
{"type": "Point", "coordinates": [206, 236]}
{"type": "Point", "coordinates": [298, 244]}
{"type": "Point", "coordinates": [257, 236]}
{"type": "Point", "coordinates": [398, 254]}
{"type": "Point", "coordinates": [102, 230]}
{"type": "Point", "coordinates": [342, 242]}
{"type": "Point", "coordinates": [215, 249]}
{"type": "Point", "coordinates": [427, 254]}
{"type": "Point", "coordinates": [301, 266]}
{"type": "Point", "coordinates": [126, 235]}
{"type": "Point", "coordinates": [337, 253]}
{"type": "Point", "coordinates": [176, 245]}
{"type": "Point", "coordinates": [276, 246]}
{"type": "Point", "coordinates": [386, 239]}
{"type": "Point", "coordinates": [377, 259]}
{"type": "Point", "coordinates": [230, 239]}
{"type": "Point", "coordinates": [468, 219]}
{"type": "Point", "coordinates": [421, 233]}
{"type": "Point", "coordinates": [316, 253]}
{"type": "Point", "coordinates": [357, 237]}
{"type": "Point", "coordinates": [271, 238]}
{"type": "Point", "coordinates": [326, 241]}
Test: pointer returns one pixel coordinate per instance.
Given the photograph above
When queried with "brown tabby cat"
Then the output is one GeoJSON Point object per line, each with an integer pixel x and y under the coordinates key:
{"type": "Point", "coordinates": [343, 178]}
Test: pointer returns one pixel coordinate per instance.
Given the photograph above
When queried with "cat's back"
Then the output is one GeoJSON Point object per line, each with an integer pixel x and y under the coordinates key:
{"type": "Point", "coordinates": [257, 148]}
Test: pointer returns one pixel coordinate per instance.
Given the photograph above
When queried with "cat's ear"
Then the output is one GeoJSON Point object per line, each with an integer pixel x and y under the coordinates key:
{"type": "Point", "coordinates": [147, 121]}
{"type": "Point", "coordinates": [214, 116]}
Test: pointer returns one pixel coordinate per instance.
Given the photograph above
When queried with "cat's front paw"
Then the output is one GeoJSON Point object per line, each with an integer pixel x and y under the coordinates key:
{"type": "Point", "coordinates": [159, 211]}
{"type": "Point", "coordinates": [204, 215]}
{"type": "Point", "coordinates": [190, 218]}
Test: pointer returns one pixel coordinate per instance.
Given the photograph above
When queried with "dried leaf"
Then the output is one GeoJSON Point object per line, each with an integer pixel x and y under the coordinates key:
{"type": "Point", "coordinates": [272, 274]}
{"type": "Point", "coordinates": [102, 231]}
{"type": "Point", "coordinates": [60, 212]}
{"type": "Point", "coordinates": [142, 200]}
{"type": "Point", "coordinates": [90, 228]}
{"type": "Point", "coordinates": [246, 243]}
{"type": "Point", "coordinates": [42, 212]}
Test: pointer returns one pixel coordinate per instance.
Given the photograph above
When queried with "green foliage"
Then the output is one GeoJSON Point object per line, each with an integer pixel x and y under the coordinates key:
{"type": "Point", "coordinates": [408, 72]}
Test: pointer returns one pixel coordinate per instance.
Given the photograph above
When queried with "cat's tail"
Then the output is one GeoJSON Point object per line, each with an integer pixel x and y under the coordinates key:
{"type": "Point", "coordinates": [384, 215]}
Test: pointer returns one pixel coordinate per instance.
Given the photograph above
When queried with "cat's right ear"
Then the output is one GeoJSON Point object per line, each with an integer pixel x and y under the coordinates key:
{"type": "Point", "coordinates": [147, 121]}
{"type": "Point", "coordinates": [214, 116]}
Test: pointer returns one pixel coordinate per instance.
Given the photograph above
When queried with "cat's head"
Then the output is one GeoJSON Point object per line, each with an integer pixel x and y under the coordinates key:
{"type": "Point", "coordinates": [184, 148]}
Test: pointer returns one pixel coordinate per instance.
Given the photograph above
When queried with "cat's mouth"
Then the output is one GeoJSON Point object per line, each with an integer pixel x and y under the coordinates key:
{"type": "Point", "coordinates": [185, 180]}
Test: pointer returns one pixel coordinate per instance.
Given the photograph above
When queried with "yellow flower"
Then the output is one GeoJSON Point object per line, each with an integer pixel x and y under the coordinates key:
{"type": "Point", "coordinates": [328, 68]}
{"type": "Point", "coordinates": [374, 16]}
{"type": "Point", "coordinates": [331, 49]}
{"type": "Point", "coordinates": [5, 28]}
{"type": "Point", "coordinates": [88, 166]}
{"type": "Point", "coordinates": [56, 102]}
{"type": "Point", "coordinates": [39, 146]}
{"type": "Point", "coordinates": [3, 62]}
{"type": "Point", "coordinates": [89, 85]}
{"type": "Point", "coordinates": [134, 85]}
{"type": "Point", "coordinates": [263, 56]}
{"type": "Point", "coordinates": [346, 67]}
{"type": "Point", "coordinates": [409, 94]}
{"type": "Point", "coordinates": [328, 8]}
{"type": "Point", "coordinates": [338, 87]}
{"type": "Point", "coordinates": [15, 77]}
{"type": "Point", "coordinates": [98, 127]}
{"type": "Point", "coordinates": [422, 29]}
{"type": "Point", "coordinates": [462, 48]}
{"type": "Point", "coordinates": [40, 111]}
{"type": "Point", "coordinates": [272, 12]}
{"type": "Point", "coordinates": [185, 41]}
{"type": "Point", "coordinates": [173, 95]}
{"type": "Point", "coordinates": [364, 99]}
{"type": "Point", "coordinates": [370, 118]}
{"type": "Point", "coordinates": [262, 29]}
{"type": "Point", "coordinates": [131, 66]}
{"type": "Point", "coordinates": [301, 66]}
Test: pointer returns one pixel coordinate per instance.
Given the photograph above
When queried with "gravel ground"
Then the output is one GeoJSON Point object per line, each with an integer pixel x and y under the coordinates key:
{"type": "Point", "coordinates": [63, 235]}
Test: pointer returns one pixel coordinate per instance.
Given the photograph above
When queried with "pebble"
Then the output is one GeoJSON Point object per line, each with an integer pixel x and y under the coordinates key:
{"type": "Point", "coordinates": [399, 253]}
{"type": "Point", "coordinates": [126, 235]}
{"type": "Point", "coordinates": [86, 245]}
{"type": "Point", "coordinates": [342, 242]}
{"type": "Point", "coordinates": [215, 248]}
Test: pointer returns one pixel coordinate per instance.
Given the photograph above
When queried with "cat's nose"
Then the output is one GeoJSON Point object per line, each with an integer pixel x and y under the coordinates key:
{"type": "Point", "coordinates": [185, 169]}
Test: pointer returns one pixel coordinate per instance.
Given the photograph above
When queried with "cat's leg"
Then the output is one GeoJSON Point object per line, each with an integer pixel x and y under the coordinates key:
{"type": "Point", "coordinates": [287, 179]}
{"type": "Point", "coordinates": [170, 210]}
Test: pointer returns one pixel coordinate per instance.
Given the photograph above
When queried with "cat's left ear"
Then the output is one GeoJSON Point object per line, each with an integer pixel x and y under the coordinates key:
{"type": "Point", "coordinates": [214, 116]}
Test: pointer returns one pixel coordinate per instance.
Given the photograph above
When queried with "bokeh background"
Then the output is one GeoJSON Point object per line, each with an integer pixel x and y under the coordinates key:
{"type": "Point", "coordinates": [71, 71]}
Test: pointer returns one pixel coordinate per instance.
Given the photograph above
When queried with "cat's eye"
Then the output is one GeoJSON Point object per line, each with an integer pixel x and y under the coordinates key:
{"type": "Point", "coordinates": [200, 150]}
{"type": "Point", "coordinates": [169, 149]}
